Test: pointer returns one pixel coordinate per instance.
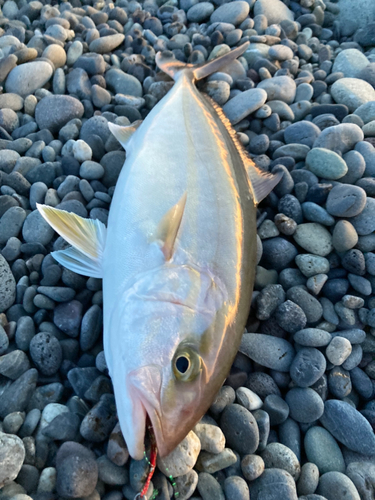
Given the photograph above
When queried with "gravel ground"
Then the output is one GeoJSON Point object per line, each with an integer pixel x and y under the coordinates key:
{"type": "Point", "coordinates": [295, 418]}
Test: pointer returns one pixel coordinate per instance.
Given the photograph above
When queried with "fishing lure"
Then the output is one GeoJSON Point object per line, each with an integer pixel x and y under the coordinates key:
{"type": "Point", "coordinates": [177, 259]}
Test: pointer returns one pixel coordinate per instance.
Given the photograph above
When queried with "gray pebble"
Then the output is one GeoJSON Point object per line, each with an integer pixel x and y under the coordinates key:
{"type": "Point", "coordinates": [323, 451]}
{"type": "Point", "coordinates": [290, 317]}
{"type": "Point", "coordinates": [335, 485]}
{"type": "Point", "coordinates": [272, 352]}
{"type": "Point", "coordinates": [240, 429]}
{"type": "Point", "coordinates": [45, 351]}
{"type": "Point", "coordinates": [348, 426]}
{"type": "Point", "coordinates": [272, 484]}
{"type": "Point", "coordinates": [307, 367]}
{"type": "Point", "coordinates": [305, 404]}
{"type": "Point", "coordinates": [278, 456]}
{"type": "Point", "coordinates": [308, 480]}
{"type": "Point", "coordinates": [209, 488]}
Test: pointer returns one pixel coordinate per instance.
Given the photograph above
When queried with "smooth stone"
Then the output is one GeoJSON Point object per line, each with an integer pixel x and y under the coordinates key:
{"type": "Point", "coordinates": [350, 62]}
{"type": "Point", "coordinates": [352, 92]}
{"type": "Point", "coordinates": [54, 111]}
{"type": "Point", "coordinates": [363, 476]}
{"type": "Point", "coordinates": [366, 112]}
{"type": "Point", "coordinates": [339, 138]}
{"type": "Point", "coordinates": [278, 456]}
{"type": "Point", "coordinates": [348, 426]}
{"type": "Point", "coordinates": [345, 200]}
{"type": "Point", "coordinates": [183, 458]}
{"type": "Point", "coordinates": [199, 12]}
{"type": "Point", "coordinates": [322, 449]}
{"type": "Point", "coordinates": [274, 10]}
{"type": "Point", "coordinates": [233, 13]}
{"type": "Point", "coordinates": [106, 44]}
{"type": "Point", "coordinates": [344, 236]}
{"type": "Point", "coordinates": [336, 486]}
{"type": "Point", "coordinates": [252, 466]}
{"type": "Point", "coordinates": [27, 78]}
{"type": "Point", "coordinates": [364, 223]}
{"type": "Point", "coordinates": [308, 480]}
{"type": "Point", "coordinates": [214, 462]}
{"type": "Point", "coordinates": [281, 88]}
{"type": "Point", "coordinates": [312, 337]}
{"type": "Point", "coordinates": [302, 132]}
{"type": "Point", "coordinates": [122, 83]}
{"type": "Point", "coordinates": [273, 484]}
{"type": "Point", "coordinates": [236, 488]}
{"type": "Point", "coordinates": [314, 238]}
{"type": "Point", "coordinates": [240, 429]}
{"type": "Point", "coordinates": [77, 470]}
{"type": "Point", "coordinates": [326, 164]}
{"type": "Point", "coordinates": [208, 487]}
{"type": "Point", "coordinates": [240, 106]}
{"type": "Point", "coordinates": [307, 367]}
{"type": "Point", "coordinates": [272, 352]}
{"type": "Point", "coordinates": [310, 264]}
{"type": "Point", "coordinates": [305, 404]}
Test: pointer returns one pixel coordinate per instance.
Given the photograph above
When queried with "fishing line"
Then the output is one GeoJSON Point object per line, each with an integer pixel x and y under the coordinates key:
{"type": "Point", "coordinates": [152, 464]}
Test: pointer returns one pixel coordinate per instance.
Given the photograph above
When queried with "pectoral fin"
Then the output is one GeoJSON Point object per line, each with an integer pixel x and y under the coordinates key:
{"type": "Point", "coordinates": [87, 236]}
{"type": "Point", "coordinates": [169, 226]}
{"type": "Point", "coordinates": [124, 134]}
{"type": "Point", "coordinates": [261, 182]}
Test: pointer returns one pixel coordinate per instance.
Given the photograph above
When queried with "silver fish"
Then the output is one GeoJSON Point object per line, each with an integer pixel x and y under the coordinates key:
{"type": "Point", "coordinates": [177, 259]}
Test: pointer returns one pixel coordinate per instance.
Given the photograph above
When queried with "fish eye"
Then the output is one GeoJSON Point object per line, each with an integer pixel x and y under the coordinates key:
{"type": "Point", "coordinates": [182, 364]}
{"type": "Point", "coordinates": [186, 364]}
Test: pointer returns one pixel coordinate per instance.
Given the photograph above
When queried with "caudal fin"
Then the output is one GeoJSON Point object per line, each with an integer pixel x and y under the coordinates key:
{"type": "Point", "coordinates": [174, 68]}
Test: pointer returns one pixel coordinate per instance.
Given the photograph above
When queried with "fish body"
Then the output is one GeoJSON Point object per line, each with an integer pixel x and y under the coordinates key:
{"type": "Point", "coordinates": [177, 261]}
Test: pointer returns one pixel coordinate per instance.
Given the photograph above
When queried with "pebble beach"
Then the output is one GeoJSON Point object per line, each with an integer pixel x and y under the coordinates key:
{"type": "Point", "coordinates": [295, 418]}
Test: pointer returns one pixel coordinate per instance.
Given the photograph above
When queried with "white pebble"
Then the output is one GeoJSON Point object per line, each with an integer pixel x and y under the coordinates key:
{"type": "Point", "coordinates": [338, 350]}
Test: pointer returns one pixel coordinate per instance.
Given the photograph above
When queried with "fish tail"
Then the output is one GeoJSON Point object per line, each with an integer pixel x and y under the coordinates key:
{"type": "Point", "coordinates": [175, 68]}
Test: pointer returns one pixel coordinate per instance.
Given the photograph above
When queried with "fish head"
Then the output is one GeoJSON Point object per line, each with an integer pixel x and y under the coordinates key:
{"type": "Point", "coordinates": [168, 360]}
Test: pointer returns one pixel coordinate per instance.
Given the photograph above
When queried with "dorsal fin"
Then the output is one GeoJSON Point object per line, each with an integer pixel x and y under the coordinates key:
{"type": "Point", "coordinates": [174, 68]}
{"type": "Point", "coordinates": [169, 225]}
{"type": "Point", "coordinates": [125, 133]}
{"type": "Point", "coordinates": [87, 236]}
{"type": "Point", "coordinates": [261, 182]}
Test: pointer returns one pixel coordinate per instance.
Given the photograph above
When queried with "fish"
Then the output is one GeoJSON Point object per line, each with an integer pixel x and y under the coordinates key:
{"type": "Point", "coordinates": [177, 257]}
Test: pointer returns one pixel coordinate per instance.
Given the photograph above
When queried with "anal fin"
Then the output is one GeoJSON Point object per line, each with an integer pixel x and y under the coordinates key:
{"type": "Point", "coordinates": [125, 133]}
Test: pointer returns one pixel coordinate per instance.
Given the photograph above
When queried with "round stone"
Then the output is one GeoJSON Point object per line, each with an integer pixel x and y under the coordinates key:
{"type": "Point", "coordinates": [310, 264]}
{"type": "Point", "coordinates": [274, 11]}
{"type": "Point", "coordinates": [352, 92]}
{"type": "Point", "coordinates": [240, 429]}
{"type": "Point", "coordinates": [54, 111]}
{"type": "Point", "coordinates": [336, 486]}
{"type": "Point", "coordinates": [252, 466]}
{"type": "Point", "coordinates": [314, 238]}
{"type": "Point", "coordinates": [364, 223]}
{"type": "Point", "coordinates": [322, 449]}
{"type": "Point", "coordinates": [339, 138]}
{"type": "Point", "coordinates": [350, 62]}
{"type": "Point", "coordinates": [200, 12]}
{"type": "Point", "coordinates": [278, 456]}
{"type": "Point", "coordinates": [302, 132]}
{"type": "Point", "coordinates": [326, 164]}
{"type": "Point", "coordinates": [106, 44]}
{"type": "Point", "coordinates": [344, 236]}
{"type": "Point", "coordinates": [244, 103]}
{"type": "Point", "coordinates": [233, 13]}
{"type": "Point", "coordinates": [348, 426]}
{"type": "Point", "coordinates": [309, 479]}
{"type": "Point", "coordinates": [183, 458]}
{"type": "Point", "coordinates": [345, 200]}
{"type": "Point", "coordinates": [305, 404]}
{"type": "Point", "coordinates": [56, 54]}
{"type": "Point", "coordinates": [312, 337]}
{"type": "Point", "coordinates": [46, 352]}
{"type": "Point", "coordinates": [272, 484]}
{"type": "Point", "coordinates": [36, 229]}
{"type": "Point", "coordinates": [26, 78]}
{"type": "Point", "coordinates": [77, 470]}
{"type": "Point", "coordinates": [307, 367]}
{"type": "Point", "coordinates": [281, 88]}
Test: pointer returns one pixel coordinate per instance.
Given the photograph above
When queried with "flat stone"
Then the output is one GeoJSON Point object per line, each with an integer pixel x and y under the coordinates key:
{"type": "Point", "coordinates": [345, 200]}
{"type": "Point", "coordinates": [339, 138]}
{"type": "Point", "coordinates": [106, 44]}
{"type": "Point", "coordinates": [366, 112]}
{"type": "Point", "coordinates": [122, 83]}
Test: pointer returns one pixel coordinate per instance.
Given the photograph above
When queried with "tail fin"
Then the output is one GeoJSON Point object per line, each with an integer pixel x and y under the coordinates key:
{"type": "Point", "coordinates": [173, 68]}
